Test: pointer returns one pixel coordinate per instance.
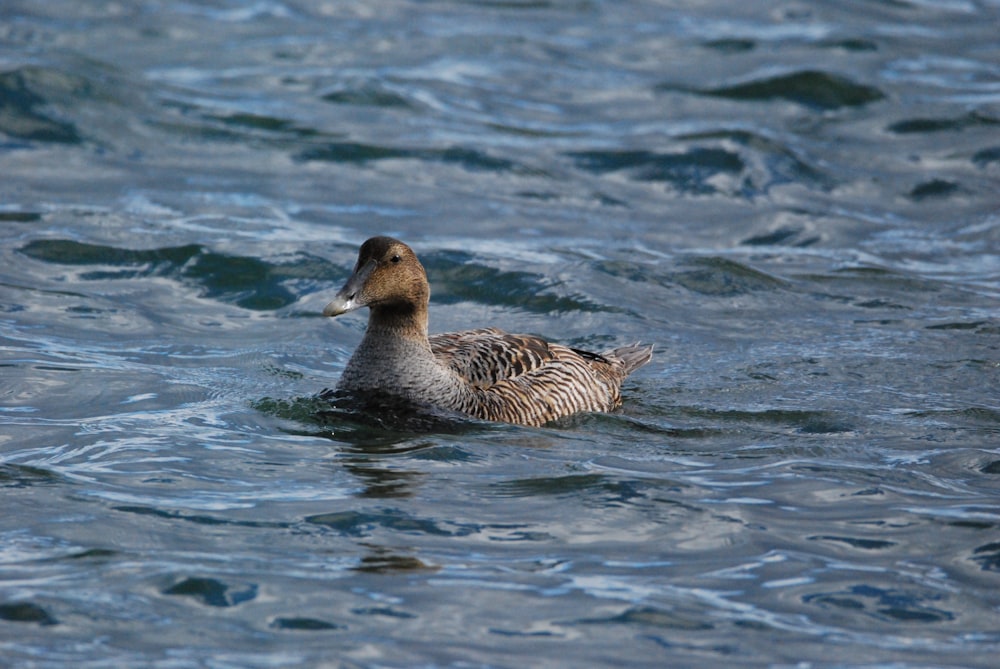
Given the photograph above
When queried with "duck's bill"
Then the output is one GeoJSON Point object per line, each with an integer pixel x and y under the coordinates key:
{"type": "Point", "coordinates": [349, 297]}
{"type": "Point", "coordinates": [339, 305]}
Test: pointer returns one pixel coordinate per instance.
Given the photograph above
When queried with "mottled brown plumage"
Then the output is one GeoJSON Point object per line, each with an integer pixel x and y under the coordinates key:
{"type": "Point", "coordinates": [484, 373]}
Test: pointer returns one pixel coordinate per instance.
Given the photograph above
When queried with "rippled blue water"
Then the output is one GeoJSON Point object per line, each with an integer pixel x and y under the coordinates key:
{"type": "Point", "coordinates": [796, 202]}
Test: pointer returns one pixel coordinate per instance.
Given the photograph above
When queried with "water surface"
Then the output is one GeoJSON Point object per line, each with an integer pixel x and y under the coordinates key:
{"type": "Point", "coordinates": [797, 204]}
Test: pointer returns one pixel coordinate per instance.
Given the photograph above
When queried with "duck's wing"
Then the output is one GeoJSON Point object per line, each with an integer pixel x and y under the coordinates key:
{"type": "Point", "coordinates": [524, 379]}
{"type": "Point", "coordinates": [487, 356]}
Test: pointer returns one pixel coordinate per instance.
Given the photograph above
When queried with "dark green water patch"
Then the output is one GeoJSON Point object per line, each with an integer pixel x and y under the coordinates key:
{"type": "Point", "coordinates": [934, 189]}
{"type": "Point", "coordinates": [889, 604]}
{"type": "Point", "coordinates": [434, 452]}
{"type": "Point", "coordinates": [814, 89]}
{"type": "Point", "coordinates": [353, 152]}
{"type": "Point", "coordinates": [211, 592]}
{"type": "Point", "coordinates": [782, 163]}
{"type": "Point", "coordinates": [248, 282]}
{"type": "Point", "coordinates": [853, 44]}
{"type": "Point", "coordinates": [722, 277]}
{"type": "Point", "coordinates": [384, 562]}
{"type": "Point", "coordinates": [244, 121]}
{"type": "Point", "coordinates": [383, 611]}
{"type": "Point", "coordinates": [881, 304]}
{"type": "Point", "coordinates": [299, 409]}
{"type": "Point", "coordinates": [25, 92]}
{"type": "Point", "coordinates": [652, 616]}
{"type": "Point", "coordinates": [198, 519]}
{"type": "Point", "coordinates": [364, 523]}
{"type": "Point", "coordinates": [23, 476]}
{"type": "Point", "coordinates": [300, 624]}
{"type": "Point", "coordinates": [457, 277]}
{"type": "Point", "coordinates": [930, 125]}
{"type": "Point", "coordinates": [959, 325]}
{"type": "Point", "coordinates": [715, 276]}
{"type": "Point", "coordinates": [19, 216]}
{"type": "Point", "coordinates": [731, 45]}
{"type": "Point", "coordinates": [94, 554]}
{"type": "Point", "coordinates": [856, 542]}
{"type": "Point", "coordinates": [370, 426]}
{"type": "Point", "coordinates": [987, 556]}
{"type": "Point", "coordinates": [140, 263]}
{"type": "Point", "coordinates": [985, 417]}
{"type": "Point", "coordinates": [772, 238]}
{"type": "Point", "coordinates": [802, 421]}
{"type": "Point", "coordinates": [987, 156]}
{"type": "Point", "coordinates": [192, 119]}
{"type": "Point", "coordinates": [866, 279]}
{"type": "Point", "coordinates": [991, 467]}
{"type": "Point", "coordinates": [368, 94]}
{"type": "Point", "coordinates": [688, 171]}
{"type": "Point", "coordinates": [554, 486]}
{"type": "Point", "coordinates": [362, 153]}
{"type": "Point", "coordinates": [26, 612]}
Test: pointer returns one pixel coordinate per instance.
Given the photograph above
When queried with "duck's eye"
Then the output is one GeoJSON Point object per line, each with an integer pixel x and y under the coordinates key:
{"type": "Point", "coordinates": [395, 258]}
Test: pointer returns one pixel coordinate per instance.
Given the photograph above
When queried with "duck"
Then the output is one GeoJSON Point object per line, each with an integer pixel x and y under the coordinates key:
{"type": "Point", "coordinates": [486, 373]}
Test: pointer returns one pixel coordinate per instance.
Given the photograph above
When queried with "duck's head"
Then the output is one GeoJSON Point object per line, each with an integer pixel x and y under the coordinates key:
{"type": "Point", "coordinates": [387, 277]}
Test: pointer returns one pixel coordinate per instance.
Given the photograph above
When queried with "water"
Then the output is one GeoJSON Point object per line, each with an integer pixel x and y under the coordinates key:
{"type": "Point", "coordinates": [796, 203]}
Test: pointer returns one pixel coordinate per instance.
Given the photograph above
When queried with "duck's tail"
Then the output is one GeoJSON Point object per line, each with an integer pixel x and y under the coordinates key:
{"type": "Point", "coordinates": [632, 357]}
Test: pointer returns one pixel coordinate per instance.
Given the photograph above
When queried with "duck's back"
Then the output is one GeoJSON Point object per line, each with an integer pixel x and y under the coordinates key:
{"type": "Point", "coordinates": [524, 379]}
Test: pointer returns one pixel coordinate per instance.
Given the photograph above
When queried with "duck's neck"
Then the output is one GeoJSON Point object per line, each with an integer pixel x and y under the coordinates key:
{"type": "Point", "coordinates": [406, 321]}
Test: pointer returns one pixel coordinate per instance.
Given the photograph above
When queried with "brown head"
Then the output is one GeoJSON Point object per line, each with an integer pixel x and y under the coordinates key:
{"type": "Point", "coordinates": [389, 279]}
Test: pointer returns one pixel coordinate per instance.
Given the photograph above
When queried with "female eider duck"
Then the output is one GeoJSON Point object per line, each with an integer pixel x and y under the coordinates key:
{"type": "Point", "coordinates": [487, 373]}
